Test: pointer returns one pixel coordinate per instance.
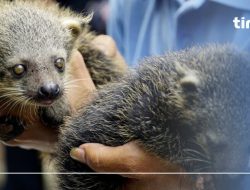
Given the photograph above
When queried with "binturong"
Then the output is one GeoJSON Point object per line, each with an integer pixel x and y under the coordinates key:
{"type": "Point", "coordinates": [36, 44]}
{"type": "Point", "coordinates": [191, 108]}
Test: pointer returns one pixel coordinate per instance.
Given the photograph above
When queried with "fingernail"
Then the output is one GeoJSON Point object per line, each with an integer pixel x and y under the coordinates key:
{"type": "Point", "coordinates": [78, 154]}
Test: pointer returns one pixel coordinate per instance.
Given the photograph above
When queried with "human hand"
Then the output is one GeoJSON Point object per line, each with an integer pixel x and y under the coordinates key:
{"type": "Point", "coordinates": [130, 161]}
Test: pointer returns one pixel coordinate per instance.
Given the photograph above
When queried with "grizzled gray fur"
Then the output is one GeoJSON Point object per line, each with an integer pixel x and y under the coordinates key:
{"type": "Point", "coordinates": [36, 43]}
{"type": "Point", "coordinates": [190, 107]}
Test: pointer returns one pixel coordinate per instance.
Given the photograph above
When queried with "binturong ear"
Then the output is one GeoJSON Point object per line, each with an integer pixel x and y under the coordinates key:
{"type": "Point", "coordinates": [76, 25]}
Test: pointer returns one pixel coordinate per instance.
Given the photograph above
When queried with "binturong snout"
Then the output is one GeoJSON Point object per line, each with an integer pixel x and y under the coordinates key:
{"type": "Point", "coordinates": [49, 91]}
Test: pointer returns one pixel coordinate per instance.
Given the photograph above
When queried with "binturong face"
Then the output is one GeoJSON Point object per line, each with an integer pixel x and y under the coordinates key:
{"type": "Point", "coordinates": [36, 43]}
{"type": "Point", "coordinates": [35, 48]}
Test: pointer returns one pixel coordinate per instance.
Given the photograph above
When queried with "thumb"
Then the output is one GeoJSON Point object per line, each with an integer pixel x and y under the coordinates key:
{"type": "Point", "coordinates": [102, 158]}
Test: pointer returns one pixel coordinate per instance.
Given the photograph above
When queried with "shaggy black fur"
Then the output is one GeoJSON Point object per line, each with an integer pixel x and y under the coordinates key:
{"type": "Point", "coordinates": [190, 107]}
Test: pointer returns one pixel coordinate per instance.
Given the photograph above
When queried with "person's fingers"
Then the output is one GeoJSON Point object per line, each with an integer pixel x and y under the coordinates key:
{"type": "Point", "coordinates": [129, 157]}
{"type": "Point", "coordinates": [36, 137]}
{"type": "Point", "coordinates": [107, 45]}
{"type": "Point", "coordinates": [80, 85]}
{"type": "Point", "coordinates": [42, 146]}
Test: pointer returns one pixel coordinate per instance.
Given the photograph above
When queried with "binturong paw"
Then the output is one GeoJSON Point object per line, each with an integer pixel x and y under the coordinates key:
{"type": "Point", "coordinates": [10, 127]}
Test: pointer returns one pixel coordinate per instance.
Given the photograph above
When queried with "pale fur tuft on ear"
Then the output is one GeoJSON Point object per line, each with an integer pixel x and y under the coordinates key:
{"type": "Point", "coordinates": [75, 25]}
{"type": "Point", "coordinates": [189, 81]}
{"type": "Point", "coordinates": [88, 18]}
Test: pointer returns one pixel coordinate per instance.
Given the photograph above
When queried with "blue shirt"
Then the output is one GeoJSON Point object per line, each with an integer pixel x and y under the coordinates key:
{"type": "Point", "coordinates": [152, 27]}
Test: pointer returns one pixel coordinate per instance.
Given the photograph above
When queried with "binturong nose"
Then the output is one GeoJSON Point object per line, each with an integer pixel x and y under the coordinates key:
{"type": "Point", "coordinates": [49, 91]}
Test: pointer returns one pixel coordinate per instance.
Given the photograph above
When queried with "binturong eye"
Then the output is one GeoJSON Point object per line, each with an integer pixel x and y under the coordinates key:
{"type": "Point", "coordinates": [60, 64]}
{"type": "Point", "coordinates": [19, 70]}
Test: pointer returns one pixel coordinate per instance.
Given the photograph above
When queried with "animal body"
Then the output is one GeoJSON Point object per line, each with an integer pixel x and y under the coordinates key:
{"type": "Point", "coordinates": [189, 107]}
{"type": "Point", "coordinates": [36, 44]}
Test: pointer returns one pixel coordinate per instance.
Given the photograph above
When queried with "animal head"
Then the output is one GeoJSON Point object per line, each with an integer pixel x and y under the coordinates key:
{"type": "Point", "coordinates": [36, 43]}
{"type": "Point", "coordinates": [214, 86]}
